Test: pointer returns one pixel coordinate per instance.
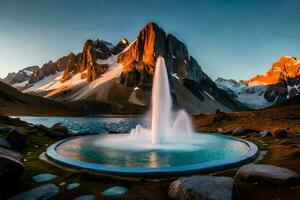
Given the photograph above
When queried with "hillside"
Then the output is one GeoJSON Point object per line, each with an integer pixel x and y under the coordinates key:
{"type": "Point", "coordinates": [14, 102]}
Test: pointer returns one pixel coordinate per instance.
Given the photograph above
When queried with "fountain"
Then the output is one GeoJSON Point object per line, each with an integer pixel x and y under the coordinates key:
{"type": "Point", "coordinates": [168, 146]}
{"type": "Point", "coordinates": [162, 128]}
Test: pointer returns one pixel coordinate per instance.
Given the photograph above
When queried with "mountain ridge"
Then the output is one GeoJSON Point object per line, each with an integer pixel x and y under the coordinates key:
{"type": "Point", "coordinates": [122, 75]}
{"type": "Point", "coordinates": [281, 82]}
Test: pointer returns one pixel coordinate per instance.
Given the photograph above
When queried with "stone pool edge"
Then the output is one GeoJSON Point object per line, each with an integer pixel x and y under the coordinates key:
{"type": "Point", "coordinates": [163, 172]}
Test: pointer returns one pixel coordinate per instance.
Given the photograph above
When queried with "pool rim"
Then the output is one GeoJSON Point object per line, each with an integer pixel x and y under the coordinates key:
{"type": "Point", "coordinates": [162, 172]}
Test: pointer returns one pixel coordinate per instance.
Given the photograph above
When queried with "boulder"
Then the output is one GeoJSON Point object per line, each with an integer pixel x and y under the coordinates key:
{"type": "Point", "coordinates": [42, 192]}
{"type": "Point", "coordinates": [60, 128]}
{"type": "Point", "coordinates": [280, 133]}
{"type": "Point", "coordinates": [225, 132]}
{"type": "Point", "coordinates": [17, 138]}
{"type": "Point", "coordinates": [4, 143]}
{"type": "Point", "coordinates": [85, 197]}
{"type": "Point", "coordinates": [203, 188]}
{"type": "Point", "coordinates": [55, 134]}
{"type": "Point", "coordinates": [242, 131]}
{"type": "Point", "coordinates": [115, 191]}
{"type": "Point", "coordinates": [266, 174]}
{"type": "Point", "coordinates": [296, 154]}
{"type": "Point", "coordinates": [264, 133]}
{"type": "Point", "coordinates": [4, 130]}
{"type": "Point", "coordinates": [43, 177]}
{"type": "Point", "coordinates": [11, 168]}
{"type": "Point", "coordinates": [72, 186]}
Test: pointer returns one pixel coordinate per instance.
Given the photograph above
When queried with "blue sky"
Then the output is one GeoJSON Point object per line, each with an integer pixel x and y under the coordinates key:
{"type": "Point", "coordinates": [232, 39]}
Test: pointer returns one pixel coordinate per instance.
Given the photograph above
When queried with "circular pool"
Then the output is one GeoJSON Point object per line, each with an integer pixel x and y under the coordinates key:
{"type": "Point", "coordinates": [118, 154]}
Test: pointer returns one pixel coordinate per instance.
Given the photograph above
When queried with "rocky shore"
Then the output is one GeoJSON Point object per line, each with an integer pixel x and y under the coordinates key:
{"type": "Point", "coordinates": [275, 176]}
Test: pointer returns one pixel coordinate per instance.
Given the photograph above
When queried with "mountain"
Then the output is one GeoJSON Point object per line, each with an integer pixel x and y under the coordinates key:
{"type": "Point", "coordinates": [120, 77]}
{"type": "Point", "coordinates": [14, 102]}
{"type": "Point", "coordinates": [280, 83]}
{"type": "Point", "coordinates": [20, 78]}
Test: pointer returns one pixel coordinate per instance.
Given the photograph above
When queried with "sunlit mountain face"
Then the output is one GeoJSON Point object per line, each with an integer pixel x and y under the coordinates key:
{"type": "Point", "coordinates": [285, 68]}
{"type": "Point", "coordinates": [281, 82]}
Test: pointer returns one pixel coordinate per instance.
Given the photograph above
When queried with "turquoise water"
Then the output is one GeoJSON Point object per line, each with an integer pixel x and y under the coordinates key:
{"type": "Point", "coordinates": [199, 149]}
{"type": "Point", "coordinates": [88, 124]}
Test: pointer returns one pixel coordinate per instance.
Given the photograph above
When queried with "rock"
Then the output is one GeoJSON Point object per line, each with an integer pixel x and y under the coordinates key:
{"type": "Point", "coordinates": [115, 191]}
{"type": "Point", "coordinates": [264, 133]}
{"type": "Point", "coordinates": [73, 186]}
{"type": "Point", "coordinates": [60, 128]}
{"type": "Point", "coordinates": [4, 143]}
{"type": "Point", "coordinates": [242, 131]}
{"type": "Point", "coordinates": [266, 174]}
{"type": "Point", "coordinates": [280, 133]}
{"type": "Point", "coordinates": [225, 132]}
{"type": "Point", "coordinates": [43, 177]}
{"type": "Point", "coordinates": [11, 168]}
{"type": "Point", "coordinates": [4, 130]}
{"type": "Point", "coordinates": [203, 188]}
{"type": "Point", "coordinates": [55, 134]}
{"type": "Point", "coordinates": [252, 134]}
{"type": "Point", "coordinates": [287, 142]}
{"type": "Point", "coordinates": [85, 197]}
{"type": "Point", "coordinates": [39, 193]}
{"type": "Point", "coordinates": [17, 138]}
{"type": "Point", "coordinates": [296, 154]}
{"type": "Point", "coordinates": [62, 184]}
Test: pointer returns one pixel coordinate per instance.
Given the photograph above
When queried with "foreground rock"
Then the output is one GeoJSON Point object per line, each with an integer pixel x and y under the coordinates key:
{"type": "Point", "coordinates": [115, 191]}
{"type": "Point", "coordinates": [60, 128]}
{"type": "Point", "coordinates": [266, 174]}
{"type": "Point", "coordinates": [43, 177]}
{"type": "Point", "coordinates": [43, 192]}
{"type": "Point", "coordinates": [17, 138]}
{"type": "Point", "coordinates": [244, 131]}
{"type": "Point", "coordinates": [11, 168]}
{"type": "Point", "coordinates": [85, 197]}
{"type": "Point", "coordinates": [203, 188]}
{"type": "Point", "coordinates": [280, 133]}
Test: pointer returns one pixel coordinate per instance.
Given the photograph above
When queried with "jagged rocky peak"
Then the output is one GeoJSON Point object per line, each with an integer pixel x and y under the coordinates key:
{"type": "Point", "coordinates": [52, 68]}
{"type": "Point", "coordinates": [21, 76]}
{"type": "Point", "coordinates": [152, 41]}
{"type": "Point", "coordinates": [71, 66]}
{"type": "Point", "coordinates": [46, 70]}
{"type": "Point", "coordinates": [88, 61]}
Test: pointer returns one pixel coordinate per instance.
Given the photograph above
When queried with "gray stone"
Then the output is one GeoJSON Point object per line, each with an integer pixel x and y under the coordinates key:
{"type": "Point", "coordinates": [280, 133]}
{"type": "Point", "coordinates": [115, 191]}
{"type": "Point", "coordinates": [203, 188]}
{"type": "Point", "coordinates": [4, 130]}
{"type": "Point", "coordinates": [266, 174]}
{"type": "Point", "coordinates": [11, 167]}
{"type": "Point", "coordinates": [41, 193]}
{"type": "Point", "coordinates": [73, 186]}
{"type": "Point", "coordinates": [60, 128]}
{"type": "Point", "coordinates": [252, 134]}
{"type": "Point", "coordinates": [85, 197]}
{"type": "Point", "coordinates": [17, 138]}
{"type": "Point", "coordinates": [264, 133]}
{"type": "Point", "coordinates": [4, 143]}
{"type": "Point", "coordinates": [242, 131]}
{"type": "Point", "coordinates": [43, 177]}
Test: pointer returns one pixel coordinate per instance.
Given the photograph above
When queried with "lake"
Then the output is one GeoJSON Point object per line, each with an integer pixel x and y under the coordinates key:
{"type": "Point", "coordinates": [88, 124]}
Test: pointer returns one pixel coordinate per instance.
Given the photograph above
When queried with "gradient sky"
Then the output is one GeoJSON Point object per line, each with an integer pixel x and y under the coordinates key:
{"type": "Point", "coordinates": [232, 39]}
